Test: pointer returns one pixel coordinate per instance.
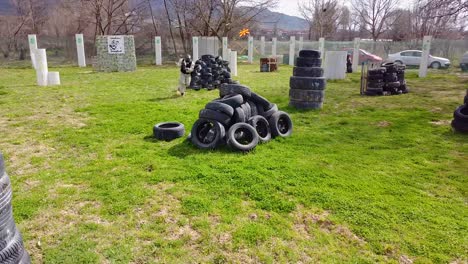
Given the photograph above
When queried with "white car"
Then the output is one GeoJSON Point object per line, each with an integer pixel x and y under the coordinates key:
{"type": "Point", "coordinates": [413, 58]}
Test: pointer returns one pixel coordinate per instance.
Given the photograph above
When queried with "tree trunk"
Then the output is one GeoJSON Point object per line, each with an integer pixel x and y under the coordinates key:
{"type": "Point", "coordinates": [170, 27]}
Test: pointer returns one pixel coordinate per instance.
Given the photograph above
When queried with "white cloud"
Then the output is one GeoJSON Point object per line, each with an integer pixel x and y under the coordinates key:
{"type": "Point", "coordinates": [288, 7]}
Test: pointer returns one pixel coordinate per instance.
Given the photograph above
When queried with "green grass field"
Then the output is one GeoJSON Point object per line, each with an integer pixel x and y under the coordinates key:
{"type": "Point", "coordinates": [365, 180]}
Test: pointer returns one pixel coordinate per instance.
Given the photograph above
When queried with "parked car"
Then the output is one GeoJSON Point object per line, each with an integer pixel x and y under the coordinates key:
{"type": "Point", "coordinates": [364, 56]}
{"type": "Point", "coordinates": [464, 62]}
{"type": "Point", "coordinates": [413, 58]}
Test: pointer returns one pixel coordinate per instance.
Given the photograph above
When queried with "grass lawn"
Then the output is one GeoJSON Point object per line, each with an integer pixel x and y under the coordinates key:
{"type": "Point", "coordinates": [365, 180]}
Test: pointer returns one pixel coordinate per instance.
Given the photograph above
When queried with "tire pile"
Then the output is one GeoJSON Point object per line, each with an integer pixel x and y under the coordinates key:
{"type": "Point", "coordinates": [241, 119]}
{"type": "Point", "coordinates": [210, 72]}
{"type": "Point", "coordinates": [11, 243]}
{"type": "Point", "coordinates": [460, 117]}
{"type": "Point", "coordinates": [307, 83]}
{"type": "Point", "coordinates": [387, 80]}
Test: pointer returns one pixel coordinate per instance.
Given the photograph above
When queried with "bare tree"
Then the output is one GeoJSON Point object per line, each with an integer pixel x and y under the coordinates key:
{"type": "Point", "coordinates": [322, 15]}
{"type": "Point", "coordinates": [445, 8]}
{"type": "Point", "coordinates": [377, 15]}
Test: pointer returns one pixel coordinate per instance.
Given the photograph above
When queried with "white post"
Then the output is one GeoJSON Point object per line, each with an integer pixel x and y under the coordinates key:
{"type": "Point", "coordinates": [250, 48]}
{"type": "Point", "coordinates": [356, 54]}
{"type": "Point", "coordinates": [195, 49]}
{"type": "Point", "coordinates": [80, 50]}
{"type": "Point", "coordinates": [322, 46]}
{"type": "Point", "coordinates": [425, 56]}
{"type": "Point", "coordinates": [273, 47]}
{"type": "Point", "coordinates": [335, 65]}
{"type": "Point", "coordinates": [233, 63]}
{"type": "Point", "coordinates": [32, 40]}
{"type": "Point", "coordinates": [301, 43]}
{"type": "Point", "coordinates": [42, 69]}
{"type": "Point", "coordinates": [53, 78]}
{"type": "Point", "coordinates": [292, 50]}
{"type": "Point", "coordinates": [262, 46]}
{"type": "Point", "coordinates": [157, 50]}
{"type": "Point", "coordinates": [225, 48]}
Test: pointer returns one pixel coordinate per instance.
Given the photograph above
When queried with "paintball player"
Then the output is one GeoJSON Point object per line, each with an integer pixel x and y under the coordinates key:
{"type": "Point", "coordinates": [186, 68]}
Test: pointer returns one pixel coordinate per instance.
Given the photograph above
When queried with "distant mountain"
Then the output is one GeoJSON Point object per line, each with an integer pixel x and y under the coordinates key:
{"type": "Point", "coordinates": [268, 19]}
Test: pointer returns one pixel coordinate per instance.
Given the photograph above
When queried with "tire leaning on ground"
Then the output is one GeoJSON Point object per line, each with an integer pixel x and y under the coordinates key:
{"type": "Point", "coordinates": [242, 136]}
{"type": "Point", "coordinates": [262, 127]}
{"type": "Point", "coordinates": [207, 134]}
{"type": "Point", "coordinates": [461, 113]}
{"type": "Point", "coordinates": [307, 83]}
{"type": "Point", "coordinates": [307, 95]}
{"type": "Point", "coordinates": [260, 101]}
{"type": "Point", "coordinates": [309, 54]}
{"type": "Point", "coordinates": [308, 62]}
{"type": "Point", "coordinates": [308, 71]}
{"type": "Point", "coordinates": [168, 131]}
{"type": "Point", "coordinates": [281, 124]}
{"type": "Point", "coordinates": [215, 115]}
{"type": "Point", "coordinates": [273, 108]}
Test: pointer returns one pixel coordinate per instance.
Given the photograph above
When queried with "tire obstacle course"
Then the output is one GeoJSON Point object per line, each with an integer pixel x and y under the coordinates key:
{"type": "Point", "coordinates": [210, 72]}
{"type": "Point", "coordinates": [386, 80]}
{"type": "Point", "coordinates": [241, 119]}
{"type": "Point", "coordinates": [307, 85]}
{"type": "Point", "coordinates": [12, 250]}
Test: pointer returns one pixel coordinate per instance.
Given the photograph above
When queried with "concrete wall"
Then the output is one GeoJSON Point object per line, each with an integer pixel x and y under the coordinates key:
{"type": "Point", "coordinates": [115, 62]}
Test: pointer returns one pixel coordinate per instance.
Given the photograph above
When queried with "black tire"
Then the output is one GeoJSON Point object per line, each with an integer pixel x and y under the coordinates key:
{"type": "Point", "coordinates": [465, 100]}
{"type": "Point", "coordinates": [308, 71]}
{"type": "Point", "coordinates": [307, 95]}
{"type": "Point", "coordinates": [460, 126]}
{"type": "Point", "coordinates": [13, 252]}
{"type": "Point", "coordinates": [308, 62]}
{"type": "Point", "coordinates": [309, 54]}
{"type": "Point", "coordinates": [243, 137]}
{"type": "Point", "coordinates": [232, 100]}
{"type": "Point", "coordinates": [262, 127]}
{"type": "Point", "coordinates": [305, 105]}
{"type": "Point", "coordinates": [228, 89]}
{"type": "Point", "coordinates": [220, 107]}
{"type": "Point", "coordinates": [461, 113]}
{"type": "Point", "coordinates": [374, 91]}
{"type": "Point", "coordinates": [206, 57]}
{"type": "Point", "coordinates": [390, 67]}
{"type": "Point", "coordinates": [392, 84]}
{"type": "Point", "coordinates": [260, 101]}
{"type": "Point", "coordinates": [207, 134]}
{"type": "Point", "coordinates": [239, 115]}
{"type": "Point", "coordinates": [379, 71]}
{"type": "Point", "coordinates": [269, 112]}
{"type": "Point", "coordinates": [168, 131]}
{"type": "Point", "coordinates": [215, 116]}
{"type": "Point", "coordinates": [247, 110]}
{"type": "Point", "coordinates": [281, 124]}
{"type": "Point", "coordinates": [377, 77]}
{"type": "Point", "coordinates": [375, 84]}
{"type": "Point", "coordinates": [253, 108]}
{"type": "Point", "coordinates": [307, 83]}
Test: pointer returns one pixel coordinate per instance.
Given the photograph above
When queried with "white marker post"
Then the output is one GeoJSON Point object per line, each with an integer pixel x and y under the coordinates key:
{"type": "Point", "coordinates": [322, 46]}
{"type": "Point", "coordinates": [42, 69]}
{"type": "Point", "coordinates": [426, 48]}
{"type": "Point", "coordinates": [292, 50]}
{"type": "Point", "coordinates": [301, 43]}
{"type": "Point", "coordinates": [80, 50]}
{"type": "Point", "coordinates": [53, 78]}
{"type": "Point", "coordinates": [157, 48]}
{"type": "Point", "coordinates": [195, 49]}
{"type": "Point", "coordinates": [233, 63]}
{"type": "Point", "coordinates": [273, 47]}
{"type": "Point", "coordinates": [250, 52]}
{"type": "Point", "coordinates": [225, 48]}
{"type": "Point", "coordinates": [32, 40]}
{"type": "Point", "coordinates": [356, 52]}
{"type": "Point", "coordinates": [262, 46]}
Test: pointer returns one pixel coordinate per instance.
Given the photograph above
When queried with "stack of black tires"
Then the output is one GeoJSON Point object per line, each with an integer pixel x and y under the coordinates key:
{"type": "Point", "coordinates": [387, 80]}
{"type": "Point", "coordinates": [307, 83]}
{"type": "Point", "coordinates": [460, 116]}
{"type": "Point", "coordinates": [241, 119]}
{"type": "Point", "coordinates": [11, 243]}
{"type": "Point", "coordinates": [210, 72]}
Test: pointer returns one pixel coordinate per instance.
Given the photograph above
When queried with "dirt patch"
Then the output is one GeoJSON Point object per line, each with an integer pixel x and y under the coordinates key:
{"type": "Point", "coordinates": [405, 260]}
{"type": "Point", "coordinates": [384, 124]}
{"type": "Point", "coordinates": [184, 231]}
{"type": "Point", "coordinates": [441, 122]}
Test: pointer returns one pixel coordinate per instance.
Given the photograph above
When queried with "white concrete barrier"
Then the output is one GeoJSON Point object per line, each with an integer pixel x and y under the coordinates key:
{"type": "Point", "coordinates": [335, 65]}
{"type": "Point", "coordinates": [80, 50]}
{"type": "Point", "coordinates": [53, 78]}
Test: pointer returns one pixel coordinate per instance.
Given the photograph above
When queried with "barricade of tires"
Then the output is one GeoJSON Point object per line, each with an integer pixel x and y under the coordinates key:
{"type": "Point", "coordinates": [307, 83]}
{"type": "Point", "coordinates": [460, 116]}
{"type": "Point", "coordinates": [11, 243]}
{"type": "Point", "coordinates": [387, 80]}
{"type": "Point", "coordinates": [210, 72]}
{"type": "Point", "coordinates": [241, 119]}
